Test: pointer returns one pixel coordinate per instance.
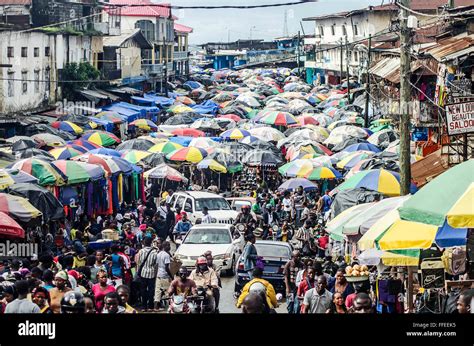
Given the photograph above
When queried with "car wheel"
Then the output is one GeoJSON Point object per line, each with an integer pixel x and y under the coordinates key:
{"type": "Point", "coordinates": [231, 271]}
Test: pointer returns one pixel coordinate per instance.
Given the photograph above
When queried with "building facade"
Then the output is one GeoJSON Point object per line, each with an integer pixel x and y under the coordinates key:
{"type": "Point", "coordinates": [181, 49]}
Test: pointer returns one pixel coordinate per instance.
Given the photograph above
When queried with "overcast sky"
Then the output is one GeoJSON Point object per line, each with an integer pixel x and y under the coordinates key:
{"type": "Point", "coordinates": [266, 23]}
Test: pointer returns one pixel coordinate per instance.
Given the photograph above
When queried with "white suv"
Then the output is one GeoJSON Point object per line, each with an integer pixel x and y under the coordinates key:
{"type": "Point", "coordinates": [192, 202]}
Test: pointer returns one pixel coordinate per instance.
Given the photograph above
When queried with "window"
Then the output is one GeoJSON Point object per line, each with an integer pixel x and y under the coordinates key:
{"type": "Point", "coordinates": [24, 52]}
{"type": "Point", "coordinates": [188, 206]}
{"type": "Point", "coordinates": [321, 31]}
{"type": "Point", "coordinates": [37, 81]}
{"type": "Point", "coordinates": [148, 29]}
{"type": "Point", "coordinates": [333, 29]}
{"type": "Point", "coordinates": [24, 82]}
{"type": "Point", "coordinates": [10, 52]}
{"type": "Point", "coordinates": [180, 202]}
{"type": "Point", "coordinates": [344, 30]}
{"type": "Point", "coordinates": [46, 51]}
{"type": "Point", "coordinates": [356, 30]}
{"type": "Point", "coordinates": [212, 204]}
{"type": "Point", "coordinates": [47, 80]}
{"type": "Point", "coordinates": [208, 236]}
{"type": "Point", "coordinates": [36, 52]}
{"type": "Point", "coordinates": [11, 88]}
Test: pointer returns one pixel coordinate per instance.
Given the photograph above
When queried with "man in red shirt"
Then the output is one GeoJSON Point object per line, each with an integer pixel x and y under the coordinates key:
{"type": "Point", "coordinates": [323, 241]}
{"type": "Point", "coordinates": [306, 284]}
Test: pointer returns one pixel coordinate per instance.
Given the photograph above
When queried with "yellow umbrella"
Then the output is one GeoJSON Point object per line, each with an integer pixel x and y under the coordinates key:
{"type": "Point", "coordinates": [408, 235]}
{"type": "Point", "coordinates": [5, 180]}
{"type": "Point", "coordinates": [367, 241]}
{"type": "Point", "coordinates": [182, 109]}
{"type": "Point", "coordinates": [461, 215]}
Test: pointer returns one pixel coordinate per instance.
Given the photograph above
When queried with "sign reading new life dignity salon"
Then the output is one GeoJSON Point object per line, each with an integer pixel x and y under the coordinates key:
{"type": "Point", "coordinates": [460, 117]}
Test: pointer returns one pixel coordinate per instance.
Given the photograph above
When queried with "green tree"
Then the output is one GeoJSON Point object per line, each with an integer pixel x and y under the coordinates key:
{"type": "Point", "coordinates": [81, 74]}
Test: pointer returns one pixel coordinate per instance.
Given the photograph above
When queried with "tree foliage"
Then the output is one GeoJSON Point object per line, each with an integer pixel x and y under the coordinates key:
{"type": "Point", "coordinates": [82, 72]}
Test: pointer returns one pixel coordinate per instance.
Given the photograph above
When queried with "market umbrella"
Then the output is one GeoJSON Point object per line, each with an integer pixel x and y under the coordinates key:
{"type": "Point", "coordinates": [321, 173]}
{"type": "Point", "coordinates": [34, 152]}
{"type": "Point", "coordinates": [335, 226]}
{"type": "Point", "coordinates": [18, 207]}
{"type": "Point", "coordinates": [203, 142]}
{"type": "Point", "coordinates": [42, 170]}
{"type": "Point", "coordinates": [144, 124]}
{"type": "Point", "coordinates": [306, 120]}
{"type": "Point", "coordinates": [106, 151]}
{"type": "Point", "coordinates": [341, 133]}
{"type": "Point", "coordinates": [296, 168]}
{"type": "Point", "coordinates": [134, 156]}
{"type": "Point", "coordinates": [188, 132]}
{"type": "Point", "coordinates": [177, 109]}
{"type": "Point", "coordinates": [165, 147]}
{"type": "Point", "coordinates": [234, 117]}
{"type": "Point", "coordinates": [152, 160]}
{"type": "Point", "coordinates": [86, 144]}
{"type": "Point", "coordinates": [381, 180]}
{"type": "Point", "coordinates": [249, 139]}
{"type": "Point", "coordinates": [323, 119]}
{"type": "Point", "coordinates": [135, 144]}
{"type": "Point", "coordinates": [185, 100]}
{"type": "Point", "coordinates": [110, 116]}
{"type": "Point", "coordinates": [267, 133]}
{"type": "Point", "coordinates": [278, 119]}
{"type": "Point", "coordinates": [213, 165]}
{"type": "Point", "coordinates": [234, 134]}
{"type": "Point", "coordinates": [362, 146]}
{"type": "Point", "coordinates": [259, 157]}
{"type": "Point", "coordinates": [110, 164]}
{"type": "Point", "coordinates": [49, 139]}
{"type": "Point", "coordinates": [294, 183]}
{"type": "Point", "coordinates": [102, 138]}
{"type": "Point", "coordinates": [205, 124]}
{"type": "Point", "coordinates": [373, 257]}
{"type": "Point", "coordinates": [349, 161]}
{"type": "Point", "coordinates": [179, 119]}
{"type": "Point", "coordinates": [188, 154]}
{"type": "Point", "coordinates": [67, 126]}
{"type": "Point", "coordinates": [20, 176]}
{"type": "Point", "coordinates": [79, 172]}
{"type": "Point", "coordinates": [5, 179]}
{"type": "Point", "coordinates": [164, 171]}
{"type": "Point", "coordinates": [383, 138]}
{"type": "Point", "coordinates": [449, 197]}
{"type": "Point", "coordinates": [17, 138]}
{"type": "Point", "coordinates": [67, 152]}
{"type": "Point", "coordinates": [23, 144]}
{"type": "Point", "coordinates": [9, 227]}
{"type": "Point", "coordinates": [44, 200]}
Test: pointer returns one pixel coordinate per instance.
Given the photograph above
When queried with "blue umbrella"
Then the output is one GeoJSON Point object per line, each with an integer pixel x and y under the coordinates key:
{"type": "Point", "coordinates": [249, 139]}
{"type": "Point", "coordinates": [106, 151]}
{"type": "Point", "coordinates": [294, 183]}
{"type": "Point", "coordinates": [362, 146]}
{"type": "Point", "coordinates": [448, 236]}
{"type": "Point", "coordinates": [184, 141]}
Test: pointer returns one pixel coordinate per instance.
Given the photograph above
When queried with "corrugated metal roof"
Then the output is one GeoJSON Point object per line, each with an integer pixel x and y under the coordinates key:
{"type": "Point", "coordinates": [453, 47]}
{"type": "Point", "coordinates": [389, 68]}
{"type": "Point", "coordinates": [118, 41]}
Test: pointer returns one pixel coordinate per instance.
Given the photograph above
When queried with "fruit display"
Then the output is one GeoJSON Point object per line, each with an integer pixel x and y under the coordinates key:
{"type": "Point", "coordinates": [357, 270]}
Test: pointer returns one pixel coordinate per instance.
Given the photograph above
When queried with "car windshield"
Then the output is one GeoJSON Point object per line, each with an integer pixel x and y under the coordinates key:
{"type": "Point", "coordinates": [212, 204]}
{"type": "Point", "coordinates": [208, 236]}
{"type": "Point", "coordinates": [267, 250]}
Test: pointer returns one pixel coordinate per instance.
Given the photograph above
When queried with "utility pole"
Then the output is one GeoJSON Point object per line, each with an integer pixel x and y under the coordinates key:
{"type": "Point", "coordinates": [348, 58]}
{"type": "Point", "coordinates": [342, 52]}
{"type": "Point", "coordinates": [367, 90]}
{"type": "Point", "coordinates": [405, 100]}
{"type": "Point", "coordinates": [298, 54]}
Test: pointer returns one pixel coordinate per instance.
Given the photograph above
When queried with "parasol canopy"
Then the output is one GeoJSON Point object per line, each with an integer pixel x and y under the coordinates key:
{"type": "Point", "coordinates": [188, 154]}
{"type": "Point", "coordinates": [213, 165]}
{"type": "Point", "coordinates": [18, 207]}
{"type": "Point", "coordinates": [322, 173]}
{"type": "Point", "coordinates": [42, 170]}
{"type": "Point", "coordinates": [294, 183]}
{"type": "Point", "coordinates": [165, 147]}
{"type": "Point", "coordinates": [68, 126]}
{"type": "Point", "coordinates": [79, 172]}
{"type": "Point", "coordinates": [103, 138]}
{"type": "Point", "coordinates": [9, 227]}
{"type": "Point", "coordinates": [164, 171]}
{"type": "Point", "coordinates": [188, 132]}
{"type": "Point", "coordinates": [234, 134]}
{"type": "Point", "coordinates": [134, 156]}
{"type": "Point", "coordinates": [144, 124]}
{"type": "Point", "coordinates": [259, 157]}
{"type": "Point", "coordinates": [135, 144]}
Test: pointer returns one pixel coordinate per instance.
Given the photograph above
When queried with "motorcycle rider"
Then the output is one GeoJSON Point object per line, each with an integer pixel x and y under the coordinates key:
{"type": "Point", "coordinates": [259, 284]}
{"type": "Point", "coordinates": [210, 264]}
{"type": "Point", "coordinates": [270, 218]}
{"type": "Point", "coordinates": [246, 218]}
{"type": "Point", "coordinates": [182, 284]}
{"type": "Point", "coordinates": [73, 302]}
{"type": "Point", "coordinates": [205, 277]}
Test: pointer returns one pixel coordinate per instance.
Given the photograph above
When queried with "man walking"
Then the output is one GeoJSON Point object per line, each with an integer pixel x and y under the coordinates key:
{"type": "Point", "coordinates": [147, 260]}
{"type": "Point", "coordinates": [164, 275]}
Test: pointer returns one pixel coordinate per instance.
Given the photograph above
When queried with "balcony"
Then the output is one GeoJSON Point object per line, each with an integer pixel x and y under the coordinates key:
{"type": "Point", "coordinates": [156, 70]}
{"type": "Point", "coordinates": [180, 55]}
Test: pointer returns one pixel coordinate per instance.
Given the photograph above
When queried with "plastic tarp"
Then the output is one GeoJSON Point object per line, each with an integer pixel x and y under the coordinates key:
{"type": "Point", "coordinates": [184, 141]}
{"type": "Point", "coordinates": [149, 112]}
{"type": "Point", "coordinates": [159, 100]}
{"type": "Point", "coordinates": [206, 107]}
{"type": "Point", "coordinates": [348, 198]}
{"type": "Point", "coordinates": [43, 199]}
{"type": "Point", "coordinates": [107, 125]}
{"type": "Point", "coordinates": [129, 114]}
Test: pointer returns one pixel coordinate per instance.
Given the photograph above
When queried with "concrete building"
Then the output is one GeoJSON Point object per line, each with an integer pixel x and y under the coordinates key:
{"type": "Point", "coordinates": [181, 49]}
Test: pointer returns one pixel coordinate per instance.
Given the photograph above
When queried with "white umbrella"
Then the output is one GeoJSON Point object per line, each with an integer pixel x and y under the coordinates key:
{"type": "Point", "coordinates": [267, 133]}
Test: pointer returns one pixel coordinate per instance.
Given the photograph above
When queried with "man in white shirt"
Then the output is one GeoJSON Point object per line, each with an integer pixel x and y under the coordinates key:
{"type": "Point", "coordinates": [206, 218]}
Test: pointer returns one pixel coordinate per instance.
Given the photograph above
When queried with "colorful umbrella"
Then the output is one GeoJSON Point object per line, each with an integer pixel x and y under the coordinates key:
{"type": "Point", "coordinates": [234, 134]}
{"type": "Point", "coordinates": [294, 183]}
{"type": "Point", "coordinates": [67, 152]}
{"type": "Point", "coordinates": [18, 207]}
{"type": "Point", "coordinates": [297, 168]}
{"type": "Point", "coordinates": [165, 147]}
{"type": "Point", "coordinates": [110, 164]}
{"type": "Point", "coordinates": [381, 180]}
{"type": "Point", "coordinates": [362, 146]}
{"type": "Point", "coordinates": [234, 117]}
{"type": "Point", "coordinates": [349, 161]}
{"type": "Point", "coordinates": [106, 151]}
{"type": "Point", "coordinates": [42, 170]}
{"type": "Point", "coordinates": [188, 132]}
{"type": "Point", "coordinates": [110, 116]}
{"type": "Point", "coordinates": [203, 142]}
{"type": "Point", "coordinates": [5, 179]}
{"type": "Point", "coordinates": [267, 133]}
{"type": "Point", "coordinates": [185, 100]}
{"type": "Point", "coordinates": [320, 173]}
{"type": "Point", "coordinates": [79, 172]}
{"type": "Point", "coordinates": [164, 171]}
{"type": "Point", "coordinates": [188, 154]}
{"type": "Point", "coordinates": [144, 124]}
{"type": "Point", "coordinates": [306, 120]}
{"type": "Point", "coordinates": [102, 138]}
{"type": "Point", "coordinates": [67, 126]}
{"type": "Point", "coordinates": [373, 257]}
{"type": "Point", "coordinates": [180, 109]}
{"type": "Point", "coordinates": [49, 139]}
{"type": "Point", "coordinates": [86, 144]}
{"type": "Point", "coordinates": [334, 227]}
{"type": "Point", "coordinates": [449, 197]}
{"type": "Point", "coordinates": [212, 165]}
{"type": "Point", "coordinates": [278, 119]}
{"type": "Point", "coordinates": [134, 156]}
{"type": "Point", "coordinates": [9, 227]}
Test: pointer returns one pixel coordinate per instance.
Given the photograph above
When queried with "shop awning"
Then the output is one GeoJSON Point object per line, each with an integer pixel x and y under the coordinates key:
{"type": "Point", "coordinates": [453, 47]}
{"type": "Point", "coordinates": [389, 68]}
{"type": "Point", "coordinates": [429, 167]}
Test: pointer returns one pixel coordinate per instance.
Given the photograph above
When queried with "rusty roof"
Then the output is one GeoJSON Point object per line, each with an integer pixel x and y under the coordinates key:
{"type": "Point", "coordinates": [389, 68]}
{"type": "Point", "coordinates": [452, 47]}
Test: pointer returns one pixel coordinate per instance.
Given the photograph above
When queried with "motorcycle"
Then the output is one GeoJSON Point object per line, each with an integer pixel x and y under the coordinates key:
{"type": "Point", "coordinates": [179, 304]}
{"type": "Point", "coordinates": [204, 300]}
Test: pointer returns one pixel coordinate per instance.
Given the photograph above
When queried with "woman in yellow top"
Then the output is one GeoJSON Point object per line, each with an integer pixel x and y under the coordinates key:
{"type": "Point", "coordinates": [255, 284]}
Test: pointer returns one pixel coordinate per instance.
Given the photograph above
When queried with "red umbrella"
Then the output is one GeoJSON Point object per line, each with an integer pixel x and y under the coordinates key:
{"type": "Point", "coordinates": [305, 120]}
{"type": "Point", "coordinates": [9, 227]}
{"type": "Point", "coordinates": [234, 117]}
{"type": "Point", "coordinates": [188, 132]}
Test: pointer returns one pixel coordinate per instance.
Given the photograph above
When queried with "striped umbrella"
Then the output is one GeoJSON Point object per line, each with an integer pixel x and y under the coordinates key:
{"type": "Point", "coordinates": [134, 156]}
{"type": "Point", "coordinates": [185, 100]}
{"type": "Point", "coordinates": [213, 165]}
{"type": "Point", "coordinates": [320, 173]}
{"type": "Point", "coordinates": [234, 134]}
{"type": "Point", "coordinates": [110, 116]}
{"type": "Point", "coordinates": [102, 138]}
{"type": "Point", "coordinates": [349, 161]}
{"type": "Point", "coordinates": [18, 207]}
{"type": "Point", "coordinates": [188, 132]}
{"type": "Point", "coordinates": [79, 172]}
{"type": "Point", "coordinates": [188, 154]}
{"type": "Point", "coordinates": [144, 124]}
{"type": "Point", "coordinates": [164, 171]}
{"type": "Point", "coordinates": [267, 133]}
{"type": "Point", "coordinates": [67, 126]}
{"type": "Point", "coordinates": [85, 144]}
{"type": "Point", "coordinates": [42, 170]}
{"type": "Point", "coordinates": [5, 179]}
{"type": "Point", "coordinates": [297, 168]}
{"type": "Point", "coordinates": [111, 164]}
{"type": "Point", "coordinates": [67, 152]}
{"type": "Point", "coordinates": [165, 147]}
{"type": "Point", "coordinates": [9, 227]}
{"type": "Point", "coordinates": [306, 120]}
{"type": "Point", "coordinates": [278, 119]}
{"type": "Point", "coordinates": [234, 117]}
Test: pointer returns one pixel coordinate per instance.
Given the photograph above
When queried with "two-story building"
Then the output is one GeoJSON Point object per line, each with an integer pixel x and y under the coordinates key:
{"type": "Point", "coordinates": [181, 49]}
